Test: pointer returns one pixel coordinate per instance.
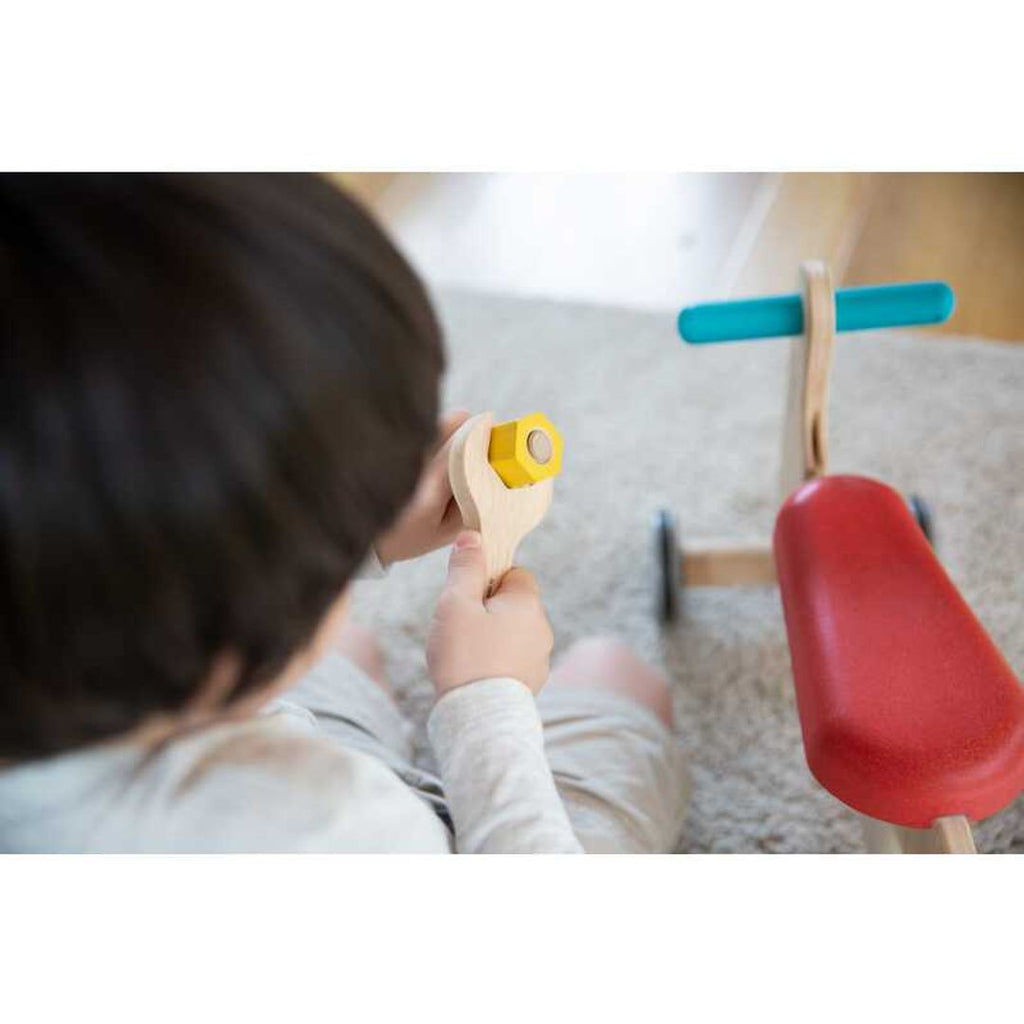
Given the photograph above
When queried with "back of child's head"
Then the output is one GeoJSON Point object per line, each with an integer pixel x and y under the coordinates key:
{"type": "Point", "coordinates": [216, 391]}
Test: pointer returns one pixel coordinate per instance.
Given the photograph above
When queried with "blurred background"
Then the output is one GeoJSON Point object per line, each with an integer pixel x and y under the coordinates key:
{"type": "Point", "coordinates": [660, 241]}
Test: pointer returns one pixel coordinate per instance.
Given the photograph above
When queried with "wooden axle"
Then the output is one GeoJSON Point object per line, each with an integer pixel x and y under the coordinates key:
{"type": "Point", "coordinates": [727, 565]}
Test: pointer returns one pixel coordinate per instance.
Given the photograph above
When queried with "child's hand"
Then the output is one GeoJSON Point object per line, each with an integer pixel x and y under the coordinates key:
{"type": "Point", "coordinates": [431, 519]}
{"type": "Point", "coordinates": [473, 637]}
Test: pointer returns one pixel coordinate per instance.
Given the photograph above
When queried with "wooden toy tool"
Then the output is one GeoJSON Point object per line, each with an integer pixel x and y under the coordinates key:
{"type": "Point", "coordinates": [503, 480]}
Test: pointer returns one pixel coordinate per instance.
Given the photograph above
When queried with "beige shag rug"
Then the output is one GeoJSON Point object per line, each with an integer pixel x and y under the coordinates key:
{"type": "Point", "coordinates": [650, 422]}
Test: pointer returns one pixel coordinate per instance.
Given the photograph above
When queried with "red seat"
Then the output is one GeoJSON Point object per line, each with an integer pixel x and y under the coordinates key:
{"type": "Point", "coordinates": [908, 710]}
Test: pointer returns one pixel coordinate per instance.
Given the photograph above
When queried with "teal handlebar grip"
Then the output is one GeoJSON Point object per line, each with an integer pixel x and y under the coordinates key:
{"type": "Point", "coordinates": [857, 309]}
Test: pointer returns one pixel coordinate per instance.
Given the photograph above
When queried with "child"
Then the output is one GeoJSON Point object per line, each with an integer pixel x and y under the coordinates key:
{"type": "Point", "coordinates": [220, 400]}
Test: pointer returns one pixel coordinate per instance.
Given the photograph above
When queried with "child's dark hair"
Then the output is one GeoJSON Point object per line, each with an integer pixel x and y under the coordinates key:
{"type": "Point", "coordinates": [216, 391]}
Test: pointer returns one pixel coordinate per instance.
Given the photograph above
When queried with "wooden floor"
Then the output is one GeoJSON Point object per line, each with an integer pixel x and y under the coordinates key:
{"type": "Point", "coordinates": [664, 240]}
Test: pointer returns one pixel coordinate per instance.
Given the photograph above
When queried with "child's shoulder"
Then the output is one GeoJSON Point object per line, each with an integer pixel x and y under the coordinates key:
{"type": "Point", "coordinates": [274, 784]}
{"type": "Point", "coordinates": [269, 784]}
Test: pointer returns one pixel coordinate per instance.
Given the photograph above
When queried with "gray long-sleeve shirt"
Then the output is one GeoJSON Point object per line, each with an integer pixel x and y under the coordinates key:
{"type": "Point", "coordinates": [277, 783]}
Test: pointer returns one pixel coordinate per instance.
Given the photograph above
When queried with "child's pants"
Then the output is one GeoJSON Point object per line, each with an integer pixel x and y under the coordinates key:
{"type": "Point", "coordinates": [620, 773]}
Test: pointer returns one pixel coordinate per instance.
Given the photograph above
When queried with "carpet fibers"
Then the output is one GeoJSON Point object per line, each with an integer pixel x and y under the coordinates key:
{"type": "Point", "coordinates": [650, 423]}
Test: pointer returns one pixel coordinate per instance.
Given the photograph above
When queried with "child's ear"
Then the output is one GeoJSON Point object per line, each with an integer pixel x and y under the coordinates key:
{"type": "Point", "coordinates": [449, 423]}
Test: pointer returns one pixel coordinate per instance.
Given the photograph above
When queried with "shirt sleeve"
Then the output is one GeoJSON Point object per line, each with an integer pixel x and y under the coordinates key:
{"type": "Point", "coordinates": [489, 744]}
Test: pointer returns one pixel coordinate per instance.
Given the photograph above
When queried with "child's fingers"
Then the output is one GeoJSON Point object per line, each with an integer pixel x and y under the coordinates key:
{"type": "Point", "coordinates": [448, 424]}
{"type": "Point", "coordinates": [435, 488]}
{"type": "Point", "coordinates": [451, 523]}
{"type": "Point", "coordinates": [467, 567]}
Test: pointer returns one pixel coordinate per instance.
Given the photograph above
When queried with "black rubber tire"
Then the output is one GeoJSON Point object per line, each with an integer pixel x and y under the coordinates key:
{"type": "Point", "coordinates": [666, 566]}
{"type": "Point", "coordinates": [923, 514]}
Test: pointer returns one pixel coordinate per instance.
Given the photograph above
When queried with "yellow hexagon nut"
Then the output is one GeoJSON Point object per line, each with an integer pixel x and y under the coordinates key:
{"type": "Point", "coordinates": [525, 451]}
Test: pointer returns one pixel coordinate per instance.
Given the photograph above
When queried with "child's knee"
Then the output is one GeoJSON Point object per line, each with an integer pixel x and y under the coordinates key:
{"type": "Point", "coordinates": [608, 663]}
{"type": "Point", "coordinates": [359, 645]}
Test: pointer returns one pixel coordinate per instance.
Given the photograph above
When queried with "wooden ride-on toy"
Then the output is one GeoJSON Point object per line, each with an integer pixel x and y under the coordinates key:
{"type": "Point", "coordinates": [908, 711]}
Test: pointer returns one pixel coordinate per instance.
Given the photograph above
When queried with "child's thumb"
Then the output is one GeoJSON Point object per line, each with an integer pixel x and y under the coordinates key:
{"type": "Point", "coordinates": [467, 567]}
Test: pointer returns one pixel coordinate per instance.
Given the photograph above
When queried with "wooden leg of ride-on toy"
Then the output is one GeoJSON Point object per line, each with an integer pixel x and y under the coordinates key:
{"type": "Point", "coordinates": [947, 835]}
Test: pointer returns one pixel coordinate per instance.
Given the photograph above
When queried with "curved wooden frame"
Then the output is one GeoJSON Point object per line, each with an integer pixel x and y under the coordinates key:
{"type": "Point", "coordinates": [805, 431]}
